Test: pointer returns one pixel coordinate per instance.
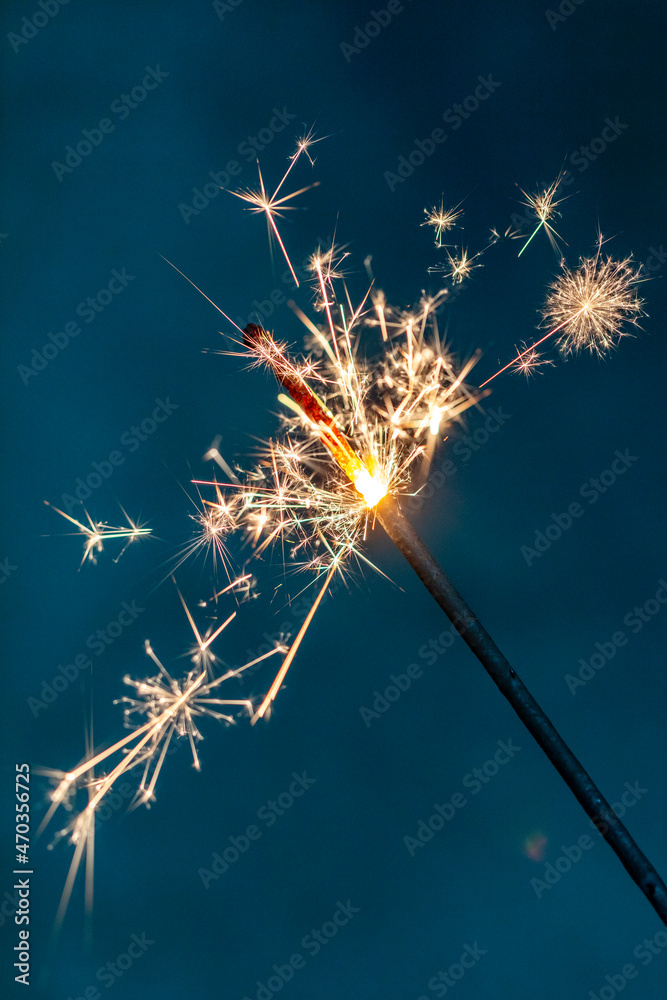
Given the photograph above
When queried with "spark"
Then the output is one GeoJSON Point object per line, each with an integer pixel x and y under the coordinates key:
{"type": "Point", "coordinates": [590, 306]}
{"type": "Point", "coordinates": [213, 454]}
{"type": "Point", "coordinates": [304, 143]}
{"type": "Point", "coordinates": [96, 533]}
{"type": "Point", "coordinates": [215, 520]}
{"type": "Point", "coordinates": [544, 206]}
{"type": "Point", "coordinates": [196, 287]}
{"type": "Point", "coordinates": [530, 361]}
{"type": "Point", "coordinates": [377, 417]}
{"type": "Point", "coordinates": [271, 205]}
{"type": "Point", "coordinates": [460, 266]}
{"type": "Point", "coordinates": [172, 708]}
{"type": "Point", "coordinates": [442, 219]}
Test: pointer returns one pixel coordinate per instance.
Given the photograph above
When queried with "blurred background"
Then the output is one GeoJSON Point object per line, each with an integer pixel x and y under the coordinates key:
{"type": "Point", "coordinates": [165, 103]}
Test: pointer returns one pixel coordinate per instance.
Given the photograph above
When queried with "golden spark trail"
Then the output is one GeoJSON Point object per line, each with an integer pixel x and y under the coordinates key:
{"type": "Point", "coordinates": [367, 482]}
{"type": "Point", "coordinates": [287, 662]}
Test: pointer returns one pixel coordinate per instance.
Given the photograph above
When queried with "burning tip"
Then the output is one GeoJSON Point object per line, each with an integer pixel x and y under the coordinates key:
{"type": "Point", "coordinates": [254, 336]}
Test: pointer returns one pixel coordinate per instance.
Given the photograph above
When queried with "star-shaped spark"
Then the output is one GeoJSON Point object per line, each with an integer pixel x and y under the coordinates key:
{"type": "Point", "coordinates": [543, 204]}
{"type": "Point", "coordinates": [441, 219]}
{"type": "Point", "coordinates": [459, 266]}
{"type": "Point", "coordinates": [96, 533]}
{"type": "Point", "coordinates": [273, 206]}
{"type": "Point", "coordinates": [529, 361]}
{"type": "Point", "coordinates": [590, 306]}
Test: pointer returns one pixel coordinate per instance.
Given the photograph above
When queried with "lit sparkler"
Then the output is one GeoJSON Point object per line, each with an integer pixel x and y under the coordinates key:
{"type": "Point", "coordinates": [388, 512]}
{"type": "Point", "coordinates": [351, 449]}
{"type": "Point", "coordinates": [593, 304]}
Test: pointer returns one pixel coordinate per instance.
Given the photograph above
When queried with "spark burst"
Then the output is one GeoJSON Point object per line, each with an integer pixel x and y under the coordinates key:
{"type": "Point", "coordinates": [376, 418]}
{"type": "Point", "coordinates": [442, 219]}
{"type": "Point", "coordinates": [96, 533]}
{"type": "Point", "coordinates": [172, 708]}
{"type": "Point", "coordinates": [592, 304]}
{"type": "Point", "coordinates": [590, 307]}
{"type": "Point", "coordinates": [544, 206]}
{"type": "Point", "coordinates": [271, 205]}
{"type": "Point", "coordinates": [531, 361]}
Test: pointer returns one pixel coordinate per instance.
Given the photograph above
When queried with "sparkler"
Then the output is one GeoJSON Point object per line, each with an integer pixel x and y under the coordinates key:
{"type": "Point", "coordinates": [358, 431]}
{"type": "Point", "coordinates": [593, 304]}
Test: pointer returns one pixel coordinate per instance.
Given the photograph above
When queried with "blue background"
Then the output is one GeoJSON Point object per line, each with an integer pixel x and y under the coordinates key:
{"type": "Point", "coordinates": [226, 71]}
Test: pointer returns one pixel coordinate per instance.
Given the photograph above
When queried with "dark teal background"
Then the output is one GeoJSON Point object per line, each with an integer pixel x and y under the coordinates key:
{"type": "Point", "coordinates": [560, 78]}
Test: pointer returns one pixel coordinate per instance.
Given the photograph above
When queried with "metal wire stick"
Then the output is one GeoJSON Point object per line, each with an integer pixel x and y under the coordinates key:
{"type": "Point", "coordinates": [533, 717]}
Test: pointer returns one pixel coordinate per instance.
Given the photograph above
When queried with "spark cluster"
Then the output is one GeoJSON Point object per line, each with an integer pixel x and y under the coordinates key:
{"type": "Point", "coordinates": [172, 707]}
{"type": "Point", "coordinates": [543, 204]}
{"type": "Point", "coordinates": [96, 533]}
{"type": "Point", "coordinates": [591, 305]}
{"type": "Point", "coordinates": [378, 412]}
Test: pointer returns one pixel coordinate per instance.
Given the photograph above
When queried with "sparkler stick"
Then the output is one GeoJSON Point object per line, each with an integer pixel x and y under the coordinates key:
{"type": "Point", "coordinates": [531, 714]}
{"type": "Point", "coordinates": [464, 620]}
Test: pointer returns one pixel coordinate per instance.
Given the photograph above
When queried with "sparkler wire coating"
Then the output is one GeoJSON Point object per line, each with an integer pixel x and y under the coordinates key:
{"type": "Point", "coordinates": [533, 717]}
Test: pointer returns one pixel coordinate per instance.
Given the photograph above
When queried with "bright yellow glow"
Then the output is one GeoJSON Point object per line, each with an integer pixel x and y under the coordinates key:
{"type": "Point", "coordinates": [436, 417]}
{"type": "Point", "coordinates": [372, 488]}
